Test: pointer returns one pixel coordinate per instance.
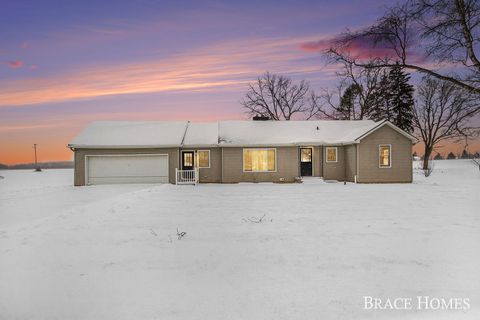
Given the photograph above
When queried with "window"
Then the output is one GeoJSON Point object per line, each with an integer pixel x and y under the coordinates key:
{"type": "Point", "coordinates": [259, 160]}
{"type": "Point", "coordinates": [331, 154]}
{"type": "Point", "coordinates": [188, 159]}
{"type": "Point", "coordinates": [384, 152]}
{"type": "Point", "coordinates": [305, 155]}
{"type": "Point", "coordinates": [203, 158]}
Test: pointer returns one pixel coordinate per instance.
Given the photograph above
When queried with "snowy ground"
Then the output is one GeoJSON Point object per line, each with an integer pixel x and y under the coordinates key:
{"type": "Point", "coordinates": [111, 252]}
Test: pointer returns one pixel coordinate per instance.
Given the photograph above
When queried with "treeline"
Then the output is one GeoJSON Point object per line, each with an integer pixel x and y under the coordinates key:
{"type": "Point", "coordinates": [42, 165]}
{"type": "Point", "coordinates": [464, 155]}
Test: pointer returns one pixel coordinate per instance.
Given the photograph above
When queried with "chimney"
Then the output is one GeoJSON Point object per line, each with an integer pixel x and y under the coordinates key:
{"type": "Point", "coordinates": [259, 117]}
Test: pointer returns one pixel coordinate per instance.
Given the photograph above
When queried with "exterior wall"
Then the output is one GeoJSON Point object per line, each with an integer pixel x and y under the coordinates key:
{"type": "Point", "coordinates": [212, 174]}
{"type": "Point", "coordinates": [317, 162]}
{"type": "Point", "coordinates": [287, 166]}
{"type": "Point", "coordinates": [79, 175]}
{"type": "Point", "coordinates": [334, 170]}
{"type": "Point", "coordinates": [350, 162]}
{"type": "Point", "coordinates": [401, 157]}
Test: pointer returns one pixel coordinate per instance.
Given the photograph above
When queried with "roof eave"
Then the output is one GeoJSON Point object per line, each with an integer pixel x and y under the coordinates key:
{"type": "Point", "coordinates": [84, 146]}
{"type": "Point", "coordinates": [391, 125]}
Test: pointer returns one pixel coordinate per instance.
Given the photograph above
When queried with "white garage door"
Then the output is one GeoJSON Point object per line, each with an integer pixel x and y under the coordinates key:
{"type": "Point", "coordinates": [127, 169]}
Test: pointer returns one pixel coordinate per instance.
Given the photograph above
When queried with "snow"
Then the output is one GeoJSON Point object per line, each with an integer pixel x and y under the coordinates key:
{"type": "Point", "coordinates": [276, 133]}
{"type": "Point", "coordinates": [201, 134]}
{"type": "Point", "coordinates": [124, 134]}
{"type": "Point", "coordinates": [111, 252]}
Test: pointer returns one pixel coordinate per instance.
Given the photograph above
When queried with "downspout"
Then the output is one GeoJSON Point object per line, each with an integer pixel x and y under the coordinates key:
{"type": "Point", "coordinates": [74, 164]}
{"type": "Point", "coordinates": [323, 163]}
{"type": "Point", "coordinates": [357, 160]}
{"type": "Point", "coordinates": [222, 166]}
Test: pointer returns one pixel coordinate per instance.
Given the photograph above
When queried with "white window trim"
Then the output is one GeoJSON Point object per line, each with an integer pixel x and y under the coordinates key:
{"type": "Point", "coordinates": [389, 156]}
{"type": "Point", "coordinates": [198, 162]}
{"type": "Point", "coordinates": [313, 158]}
{"type": "Point", "coordinates": [194, 156]}
{"type": "Point", "coordinates": [87, 156]}
{"type": "Point", "coordinates": [336, 154]}
{"type": "Point", "coordinates": [247, 149]}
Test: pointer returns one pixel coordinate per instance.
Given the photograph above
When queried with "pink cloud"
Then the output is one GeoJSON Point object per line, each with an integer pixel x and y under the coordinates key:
{"type": "Point", "coordinates": [316, 46]}
{"type": "Point", "coordinates": [15, 64]}
{"type": "Point", "coordinates": [361, 48]}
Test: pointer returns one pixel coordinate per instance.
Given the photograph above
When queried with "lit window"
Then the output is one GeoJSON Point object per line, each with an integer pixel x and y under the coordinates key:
{"type": "Point", "coordinates": [262, 160]}
{"type": "Point", "coordinates": [306, 155]}
{"type": "Point", "coordinates": [188, 159]}
{"type": "Point", "coordinates": [385, 156]}
{"type": "Point", "coordinates": [331, 154]}
{"type": "Point", "coordinates": [203, 158]}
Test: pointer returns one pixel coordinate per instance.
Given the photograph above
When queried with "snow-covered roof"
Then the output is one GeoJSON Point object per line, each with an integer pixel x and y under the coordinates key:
{"type": "Point", "coordinates": [126, 134]}
{"type": "Point", "coordinates": [278, 133]}
{"type": "Point", "coordinates": [235, 133]}
{"type": "Point", "coordinates": [201, 134]}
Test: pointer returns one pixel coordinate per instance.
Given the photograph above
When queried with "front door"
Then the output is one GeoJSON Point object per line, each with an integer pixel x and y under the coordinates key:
{"type": "Point", "coordinates": [306, 162]}
{"type": "Point", "coordinates": [187, 160]}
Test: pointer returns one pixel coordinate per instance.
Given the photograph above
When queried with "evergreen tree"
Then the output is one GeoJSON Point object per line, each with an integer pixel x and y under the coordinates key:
{"type": "Point", "coordinates": [381, 109]}
{"type": "Point", "coordinates": [346, 109]}
{"type": "Point", "coordinates": [400, 99]}
{"type": "Point", "coordinates": [451, 156]}
{"type": "Point", "coordinates": [465, 155]}
{"type": "Point", "coordinates": [394, 100]}
{"type": "Point", "coordinates": [438, 156]}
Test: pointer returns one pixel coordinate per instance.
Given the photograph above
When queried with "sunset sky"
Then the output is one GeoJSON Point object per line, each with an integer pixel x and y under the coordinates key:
{"type": "Point", "coordinates": [64, 64]}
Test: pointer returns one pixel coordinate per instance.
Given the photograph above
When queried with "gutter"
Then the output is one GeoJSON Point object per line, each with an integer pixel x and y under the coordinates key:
{"type": "Point", "coordinates": [80, 146]}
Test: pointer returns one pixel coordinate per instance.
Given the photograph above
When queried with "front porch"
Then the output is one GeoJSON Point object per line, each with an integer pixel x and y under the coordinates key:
{"type": "Point", "coordinates": [186, 176]}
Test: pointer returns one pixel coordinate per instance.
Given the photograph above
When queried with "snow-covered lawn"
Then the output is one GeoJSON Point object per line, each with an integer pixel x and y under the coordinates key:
{"type": "Point", "coordinates": [112, 252]}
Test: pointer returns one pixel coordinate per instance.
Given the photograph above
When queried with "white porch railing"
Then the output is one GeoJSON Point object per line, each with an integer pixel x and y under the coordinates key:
{"type": "Point", "coordinates": [186, 176]}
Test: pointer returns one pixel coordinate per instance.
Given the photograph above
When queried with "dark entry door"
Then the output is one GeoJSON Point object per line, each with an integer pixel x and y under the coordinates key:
{"type": "Point", "coordinates": [187, 160]}
{"type": "Point", "coordinates": [306, 162]}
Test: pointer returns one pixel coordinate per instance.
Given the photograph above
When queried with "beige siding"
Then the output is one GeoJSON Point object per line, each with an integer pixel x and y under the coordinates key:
{"type": "Point", "coordinates": [317, 162]}
{"type": "Point", "coordinates": [214, 173]}
{"type": "Point", "coordinates": [350, 162]}
{"type": "Point", "coordinates": [401, 170]}
{"type": "Point", "coordinates": [79, 179]}
{"type": "Point", "coordinates": [321, 161]}
{"type": "Point", "coordinates": [287, 166]}
{"type": "Point", "coordinates": [334, 170]}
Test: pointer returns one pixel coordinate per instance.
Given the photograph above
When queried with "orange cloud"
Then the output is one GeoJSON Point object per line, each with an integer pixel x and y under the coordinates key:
{"type": "Point", "coordinates": [225, 65]}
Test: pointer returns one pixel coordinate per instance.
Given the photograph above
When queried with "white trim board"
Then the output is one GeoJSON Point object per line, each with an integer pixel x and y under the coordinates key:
{"type": "Point", "coordinates": [87, 156]}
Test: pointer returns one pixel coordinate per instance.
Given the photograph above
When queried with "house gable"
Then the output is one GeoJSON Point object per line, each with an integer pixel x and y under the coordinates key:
{"type": "Point", "coordinates": [368, 169]}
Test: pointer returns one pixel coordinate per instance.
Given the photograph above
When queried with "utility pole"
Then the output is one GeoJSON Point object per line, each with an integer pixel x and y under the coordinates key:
{"type": "Point", "coordinates": [37, 168]}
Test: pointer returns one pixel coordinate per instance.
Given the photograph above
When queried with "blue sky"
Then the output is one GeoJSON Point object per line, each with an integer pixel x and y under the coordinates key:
{"type": "Point", "coordinates": [66, 63]}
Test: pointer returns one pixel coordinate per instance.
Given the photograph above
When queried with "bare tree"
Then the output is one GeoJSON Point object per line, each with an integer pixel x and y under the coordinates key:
{"type": "Point", "coordinates": [357, 85]}
{"type": "Point", "coordinates": [279, 98]}
{"type": "Point", "coordinates": [409, 34]}
{"type": "Point", "coordinates": [443, 112]}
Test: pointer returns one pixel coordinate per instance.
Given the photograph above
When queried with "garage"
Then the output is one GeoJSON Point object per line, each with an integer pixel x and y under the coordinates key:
{"type": "Point", "coordinates": [131, 168]}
